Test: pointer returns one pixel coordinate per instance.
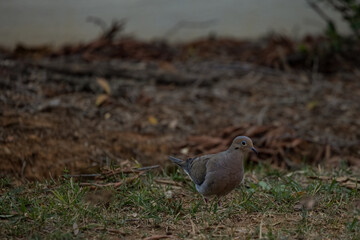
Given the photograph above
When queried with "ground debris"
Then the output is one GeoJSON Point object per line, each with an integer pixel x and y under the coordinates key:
{"type": "Point", "coordinates": [346, 181]}
{"type": "Point", "coordinates": [61, 111]}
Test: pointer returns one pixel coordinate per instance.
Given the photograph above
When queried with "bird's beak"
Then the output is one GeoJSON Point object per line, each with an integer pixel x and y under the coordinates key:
{"type": "Point", "coordinates": [254, 150]}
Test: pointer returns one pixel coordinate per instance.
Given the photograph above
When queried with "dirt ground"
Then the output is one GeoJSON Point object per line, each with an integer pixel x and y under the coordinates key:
{"type": "Point", "coordinates": [83, 113]}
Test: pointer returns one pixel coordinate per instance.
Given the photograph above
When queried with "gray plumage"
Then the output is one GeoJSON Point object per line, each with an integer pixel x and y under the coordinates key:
{"type": "Point", "coordinates": [218, 174]}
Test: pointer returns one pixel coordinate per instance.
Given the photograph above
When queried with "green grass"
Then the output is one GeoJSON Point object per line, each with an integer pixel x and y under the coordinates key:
{"type": "Point", "coordinates": [271, 204]}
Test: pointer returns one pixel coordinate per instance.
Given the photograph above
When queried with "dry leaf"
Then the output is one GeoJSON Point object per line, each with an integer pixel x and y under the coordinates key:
{"type": "Point", "coordinates": [307, 203]}
{"type": "Point", "coordinates": [100, 99]}
{"type": "Point", "coordinates": [104, 85]}
{"type": "Point", "coordinates": [354, 179]}
{"type": "Point", "coordinates": [107, 115]}
{"type": "Point", "coordinates": [153, 120]}
{"type": "Point", "coordinates": [351, 185]}
{"type": "Point", "coordinates": [312, 104]}
{"type": "Point", "coordinates": [296, 142]}
{"type": "Point", "coordinates": [298, 207]}
{"type": "Point", "coordinates": [184, 151]}
{"type": "Point", "coordinates": [297, 194]}
{"type": "Point", "coordinates": [173, 124]}
{"type": "Point", "coordinates": [76, 229]}
{"type": "Point", "coordinates": [169, 194]}
{"type": "Point", "coordinates": [341, 179]}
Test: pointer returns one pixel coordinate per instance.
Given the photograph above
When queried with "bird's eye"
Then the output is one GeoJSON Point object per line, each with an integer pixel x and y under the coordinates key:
{"type": "Point", "coordinates": [243, 143]}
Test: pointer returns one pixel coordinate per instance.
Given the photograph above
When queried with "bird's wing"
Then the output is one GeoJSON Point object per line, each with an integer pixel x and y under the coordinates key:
{"type": "Point", "coordinates": [197, 167]}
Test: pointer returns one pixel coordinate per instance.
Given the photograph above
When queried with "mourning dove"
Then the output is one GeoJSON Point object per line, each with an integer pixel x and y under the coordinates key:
{"type": "Point", "coordinates": [218, 174]}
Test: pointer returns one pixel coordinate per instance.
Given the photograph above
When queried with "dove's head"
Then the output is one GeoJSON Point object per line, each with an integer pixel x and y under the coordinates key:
{"type": "Point", "coordinates": [244, 144]}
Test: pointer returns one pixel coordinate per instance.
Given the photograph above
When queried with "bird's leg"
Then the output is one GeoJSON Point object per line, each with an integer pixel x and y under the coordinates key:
{"type": "Point", "coordinates": [219, 203]}
{"type": "Point", "coordinates": [206, 200]}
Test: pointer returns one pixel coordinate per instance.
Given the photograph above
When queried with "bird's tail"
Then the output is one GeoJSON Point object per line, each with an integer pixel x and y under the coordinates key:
{"type": "Point", "coordinates": [177, 161]}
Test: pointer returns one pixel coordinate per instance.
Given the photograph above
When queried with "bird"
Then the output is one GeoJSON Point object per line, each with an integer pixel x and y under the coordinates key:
{"type": "Point", "coordinates": [216, 175]}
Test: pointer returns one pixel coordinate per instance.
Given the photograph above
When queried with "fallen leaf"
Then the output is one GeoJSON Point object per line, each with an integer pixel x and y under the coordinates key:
{"type": "Point", "coordinates": [341, 179]}
{"type": "Point", "coordinates": [311, 105]}
{"type": "Point", "coordinates": [76, 229]}
{"type": "Point", "coordinates": [351, 185]}
{"type": "Point", "coordinates": [308, 203]}
{"type": "Point", "coordinates": [184, 151]}
{"type": "Point", "coordinates": [296, 142]}
{"type": "Point", "coordinates": [7, 151]}
{"type": "Point", "coordinates": [298, 207]}
{"type": "Point", "coordinates": [101, 99]}
{"type": "Point", "coordinates": [104, 85]}
{"type": "Point", "coordinates": [153, 120]}
{"type": "Point", "coordinates": [107, 115]}
{"type": "Point", "coordinates": [173, 124]}
{"type": "Point", "coordinates": [297, 194]}
{"type": "Point", "coordinates": [354, 179]}
{"type": "Point", "coordinates": [169, 194]}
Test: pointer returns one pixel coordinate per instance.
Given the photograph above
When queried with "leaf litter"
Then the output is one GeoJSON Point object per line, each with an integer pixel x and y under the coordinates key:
{"type": "Point", "coordinates": [116, 98]}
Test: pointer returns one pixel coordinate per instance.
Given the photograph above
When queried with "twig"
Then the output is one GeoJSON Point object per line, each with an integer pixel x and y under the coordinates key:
{"type": "Point", "coordinates": [98, 22]}
{"type": "Point", "coordinates": [129, 170]}
{"type": "Point", "coordinates": [161, 181]}
{"type": "Point", "coordinates": [320, 177]}
{"type": "Point", "coordinates": [111, 173]}
{"type": "Point", "coordinates": [321, 13]}
{"type": "Point", "coordinates": [109, 32]}
{"type": "Point", "coordinates": [193, 227]}
{"type": "Point", "coordinates": [23, 169]}
{"type": "Point", "coordinates": [82, 175]}
{"type": "Point", "coordinates": [156, 237]}
{"type": "Point", "coordinates": [97, 184]}
{"type": "Point", "coordinates": [260, 230]}
{"type": "Point", "coordinates": [110, 230]}
{"type": "Point", "coordinates": [146, 168]}
{"type": "Point", "coordinates": [115, 185]}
